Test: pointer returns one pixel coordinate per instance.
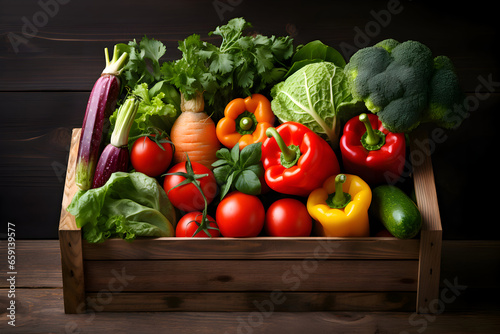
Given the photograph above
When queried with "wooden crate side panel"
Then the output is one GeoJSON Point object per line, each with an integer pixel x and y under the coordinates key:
{"type": "Point", "coordinates": [423, 176]}
{"type": "Point", "coordinates": [429, 272]}
{"type": "Point", "coordinates": [253, 248]}
{"type": "Point", "coordinates": [265, 302]}
{"type": "Point", "coordinates": [431, 234]}
{"type": "Point", "coordinates": [67, 220]}
{"type": "Point", "coordinates": [72, 271]}
{"type": "Point", "coordinates": [70, 240]}
{"type": "Point", "coordinates": [251, 275]}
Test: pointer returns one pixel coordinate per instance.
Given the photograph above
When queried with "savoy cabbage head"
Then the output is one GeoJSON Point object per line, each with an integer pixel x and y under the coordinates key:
{"type": "Point", "coordinates": [313, 96]}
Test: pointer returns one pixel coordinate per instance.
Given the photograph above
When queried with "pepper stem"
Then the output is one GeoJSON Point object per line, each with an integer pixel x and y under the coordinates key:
{"type": "Point", "coordinates": [246, 123]}
{"type": "Point", "coordinates": [289, 154]}
{"type": "Point", "coordinates": [339, 199]}
{"type": "Point", "coordinates": [372, 138]}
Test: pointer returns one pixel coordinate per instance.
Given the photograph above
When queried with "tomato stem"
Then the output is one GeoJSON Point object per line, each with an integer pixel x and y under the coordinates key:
{"type": "Point", "coordinates": [191, 177]}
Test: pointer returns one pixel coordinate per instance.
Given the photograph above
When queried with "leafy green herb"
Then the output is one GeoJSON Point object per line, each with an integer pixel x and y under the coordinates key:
{"type": "Point", "coordinates": [240, 66]}
{"type": "Point", "coordinates": [240, 170]}
{"type": "Point", "coordinates": [144, 61]}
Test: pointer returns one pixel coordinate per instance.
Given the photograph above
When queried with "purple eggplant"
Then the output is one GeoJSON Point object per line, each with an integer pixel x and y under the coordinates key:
{"type": "Point", "coordinates": [115, 156]}
{"type": "Point", "coordinates": [100, 106]}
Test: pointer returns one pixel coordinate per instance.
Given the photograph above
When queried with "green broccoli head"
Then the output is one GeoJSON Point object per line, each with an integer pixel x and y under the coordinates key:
{"type": "Point", "coordinates": [446, 99]}
{"type": "Point", "coordinates": [393, 80]}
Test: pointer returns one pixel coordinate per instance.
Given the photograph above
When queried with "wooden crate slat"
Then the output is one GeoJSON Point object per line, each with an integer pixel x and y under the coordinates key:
{"type": "Point", "coordinates": [70, 240]}
{"type": "Point", "coordinates": [251, 275]}
{"type": "Point", "coordinates": [431, 234]}
{"type": "Point", "coordinates": [253, 248]}
{"type": "Point", "coordinates": [67, 221]}
{"type": "Point", "coordinates": [275, 301]}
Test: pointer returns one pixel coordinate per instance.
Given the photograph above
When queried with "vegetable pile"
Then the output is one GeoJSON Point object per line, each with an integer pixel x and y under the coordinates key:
{"type": "Point", "coordinates": [267, 137]}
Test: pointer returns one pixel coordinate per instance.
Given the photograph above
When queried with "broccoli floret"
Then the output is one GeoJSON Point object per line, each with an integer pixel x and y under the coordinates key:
{"type": "Point", "coordinates": [387, 44]}
{"type": "Point", "coordinates": [365, 64]}
{"type": "Point", "coordinates": [446, 107]}
{"type": "Point", "coordinates": [403, 84]}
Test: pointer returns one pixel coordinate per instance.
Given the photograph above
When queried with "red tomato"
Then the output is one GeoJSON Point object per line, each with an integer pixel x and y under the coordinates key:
{"type": "Point", "coordinates": [148, 158]}
{"type": "Point", "coordinates": [288, 217]}
{"type": "Point", "coordinates": [240, 215]}
{"type": "Point", "coordinates": [189, 223]}
{"type": "Point", "coordinates": [187, 197]}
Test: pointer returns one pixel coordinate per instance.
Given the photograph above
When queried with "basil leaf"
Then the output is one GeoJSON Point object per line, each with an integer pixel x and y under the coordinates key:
{"type": "Point", "coordinates": [258, 169]}
{"type": "Point", "coordinates": [223, 153]}
{"type": "Point", "coordinates": [251, 154]}
{"type": "Point", "coordinates": [220, 162]}
{"type": "Point", "coordinates": [235, 153]}
{"type": "Point", "coordinates": [221, 173]}
{"type": "Point", "coordinates": [227, 186]}
{"type": "Point", "coordinates": [247, 182]}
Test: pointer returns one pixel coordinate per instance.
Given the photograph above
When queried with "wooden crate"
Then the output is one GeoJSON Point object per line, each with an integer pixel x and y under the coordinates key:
{"type": "Point", "coordinates": [262, 274]}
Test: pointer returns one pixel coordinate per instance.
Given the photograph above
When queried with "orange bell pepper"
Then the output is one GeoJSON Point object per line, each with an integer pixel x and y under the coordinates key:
{"type": "Point", "coordinates": [245, 121]}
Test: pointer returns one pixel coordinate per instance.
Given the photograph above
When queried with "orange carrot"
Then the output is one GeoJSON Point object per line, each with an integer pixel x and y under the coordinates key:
{"type": "Point", "coordinates": [194, 133]}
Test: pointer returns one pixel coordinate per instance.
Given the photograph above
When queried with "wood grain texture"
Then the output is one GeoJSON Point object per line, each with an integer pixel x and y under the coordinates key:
{"type": "Point", "coordinates": [67, 221]}
{"type": "Point", "coordinates": [278, 301]}
{"type": "Point", "coordinates": [431, 234]}
{"type": "Point", "coordinates": [251, 275]}
{"type": "Point", "coordinates": [47, 60]}
{"type": "Point", "coordinates": [39, 311]}
{"type": "Point", "coordinates": [38, 264]}
{"type": "Point", "coordinates": [253, 248]}
{"type": "Point", "coordinates": [72, 271]}
{"type": "Point", "coordinates": [70, 239]}
{"type": "Point", "coordinates": [475, 264]}
{"type": "Point", "coordinates": [423, 176]}
{"type": "Point", "coordinates": [429, 271]}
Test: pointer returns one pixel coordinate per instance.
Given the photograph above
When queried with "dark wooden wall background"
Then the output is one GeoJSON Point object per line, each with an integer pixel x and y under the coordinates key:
{"type": "Point", "coordinates": [48, 71]}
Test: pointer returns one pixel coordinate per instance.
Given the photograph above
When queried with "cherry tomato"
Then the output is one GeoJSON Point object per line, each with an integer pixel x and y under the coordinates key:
{"type": "Point", "coordinates": [288, 217]}
{"type": "Point", "coordinates": [187, 197]}
{"type": "Point", "coordinates": [190, 222]}
{"type": "Point", "coordinates": [148, 158]}
{"type": "Point", "coordinates": [240, 215]}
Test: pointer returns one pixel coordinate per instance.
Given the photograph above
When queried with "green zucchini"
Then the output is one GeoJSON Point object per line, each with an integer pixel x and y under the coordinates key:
{"type": "Point", "coordinates": [396, 211]}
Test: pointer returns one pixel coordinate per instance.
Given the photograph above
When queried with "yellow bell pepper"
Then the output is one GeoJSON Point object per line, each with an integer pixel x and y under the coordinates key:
{"type": "Point", "coordinates": [245, 121]}
{"type": "Point", "coordinates": [341, 206]}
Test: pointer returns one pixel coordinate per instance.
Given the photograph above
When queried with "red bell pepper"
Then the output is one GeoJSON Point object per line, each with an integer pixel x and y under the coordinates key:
{"type": "Point", "coordinates": [297, 160]}
{"type": "Point", "coordinates": [371, 151]}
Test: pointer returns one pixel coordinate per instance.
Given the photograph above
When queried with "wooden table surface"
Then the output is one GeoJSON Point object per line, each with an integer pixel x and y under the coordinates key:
{"type": "Point", "coordinates": [470, 303]}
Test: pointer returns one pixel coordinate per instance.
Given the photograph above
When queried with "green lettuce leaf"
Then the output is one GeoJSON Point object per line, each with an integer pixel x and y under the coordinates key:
{"type": "Point", "coordinates": [159, 108]}
{"type": "Point", "coordinates": [129, 205]}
